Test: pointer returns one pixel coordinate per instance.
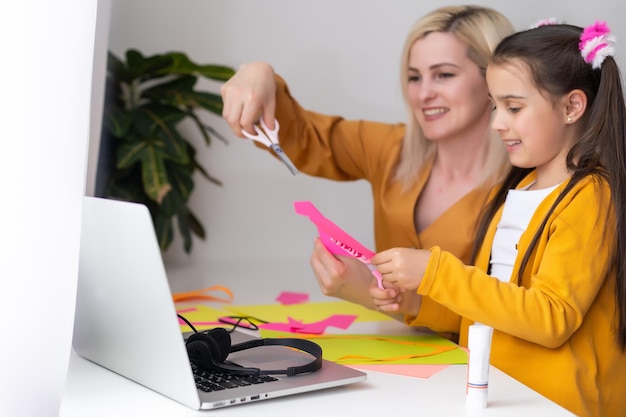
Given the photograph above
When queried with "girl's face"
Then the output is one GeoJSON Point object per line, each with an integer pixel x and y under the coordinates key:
{"type": "Point", "coordinates": [532, 126]}
{"type": "Point", "coordinates": [446, 89]}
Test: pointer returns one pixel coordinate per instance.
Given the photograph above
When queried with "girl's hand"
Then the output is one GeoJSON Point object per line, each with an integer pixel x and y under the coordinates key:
{"type": "Point", "coordinates": [394, 301]}
{"type": "Point", "coordinates": [402, 267]}
{"type": "Point", "coordinates": [387, 300]}
{"type": "Point", "coordinates": [249, 95]}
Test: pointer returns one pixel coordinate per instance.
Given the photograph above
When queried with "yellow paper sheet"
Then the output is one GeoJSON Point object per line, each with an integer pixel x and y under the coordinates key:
{"type": "Point", "coordinates": [307, 312]}
{"type": "Point", "coordinates": [350, 349]}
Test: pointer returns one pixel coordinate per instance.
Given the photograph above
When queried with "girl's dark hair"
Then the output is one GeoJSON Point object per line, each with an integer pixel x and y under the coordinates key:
{"type": "Point", "coordinates": [556, 66]}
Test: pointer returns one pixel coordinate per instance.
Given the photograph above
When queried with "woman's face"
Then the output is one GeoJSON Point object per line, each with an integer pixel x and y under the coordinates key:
{"type": "Point", "coordinates": [446, 89]}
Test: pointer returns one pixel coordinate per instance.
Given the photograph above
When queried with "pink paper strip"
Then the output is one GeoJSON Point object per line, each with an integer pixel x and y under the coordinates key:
{"type": "Point", "coordinates": [336, 240]}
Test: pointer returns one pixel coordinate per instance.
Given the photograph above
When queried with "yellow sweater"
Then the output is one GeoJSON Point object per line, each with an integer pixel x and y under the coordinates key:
{"type": "Point", "coordinates": [347, 150]}
{"type": "Point", "coordinates": [556, 332]}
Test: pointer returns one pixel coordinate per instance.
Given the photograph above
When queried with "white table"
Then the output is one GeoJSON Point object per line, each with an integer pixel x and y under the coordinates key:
{"type": "Point", "coordinates": [94, 391]}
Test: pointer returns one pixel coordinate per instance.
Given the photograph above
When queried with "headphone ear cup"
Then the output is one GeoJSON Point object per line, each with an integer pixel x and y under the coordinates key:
{"type": "Point", "coordinates": [221, 337]}
{"type": "Point", "coordinates": [209, 349]}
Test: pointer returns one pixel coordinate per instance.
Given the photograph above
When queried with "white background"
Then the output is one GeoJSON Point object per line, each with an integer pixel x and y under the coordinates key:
{"type": "Point", "coordinates": [338, 57]}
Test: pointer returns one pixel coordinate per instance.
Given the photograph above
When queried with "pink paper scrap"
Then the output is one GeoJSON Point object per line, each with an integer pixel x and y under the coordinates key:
{"type": "Point", "coordinates": [341, 321]}
{"type": "Point", "coordinates": [288, 298]}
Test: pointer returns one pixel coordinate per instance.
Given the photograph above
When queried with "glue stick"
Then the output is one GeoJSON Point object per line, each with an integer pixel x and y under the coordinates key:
{"type": "Point", "coordinates": [479, 346]}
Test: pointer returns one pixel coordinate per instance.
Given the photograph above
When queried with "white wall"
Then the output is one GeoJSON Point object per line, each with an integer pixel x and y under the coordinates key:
{"type": "Point", "coordinates": [338, 56]}
{"type": "Point", "coordinates": [47, 51]}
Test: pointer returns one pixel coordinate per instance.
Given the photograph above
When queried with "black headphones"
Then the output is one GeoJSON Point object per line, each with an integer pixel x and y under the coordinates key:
{"type": "Point", "coordinates": [208, 350]}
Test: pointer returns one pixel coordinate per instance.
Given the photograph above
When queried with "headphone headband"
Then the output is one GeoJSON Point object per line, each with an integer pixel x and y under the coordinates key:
{"type": "Point", "coordinates": [304, 345]}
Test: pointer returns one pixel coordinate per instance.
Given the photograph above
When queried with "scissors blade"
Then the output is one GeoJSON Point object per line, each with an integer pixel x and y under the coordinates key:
{"type": "Point", "coordinates": [283, 157]}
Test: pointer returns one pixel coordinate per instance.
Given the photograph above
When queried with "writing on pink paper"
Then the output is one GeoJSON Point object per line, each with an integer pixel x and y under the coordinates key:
{"type": "Point", "coordinates": [335, 239]}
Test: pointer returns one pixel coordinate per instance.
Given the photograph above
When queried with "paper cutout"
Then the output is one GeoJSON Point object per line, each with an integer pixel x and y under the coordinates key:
{"type": "Point", "coordinates": [384, 349]}
{"type": "Point", "coordinates": [336, 240]}
{"type": "Point", "coordinates": [204, 294]}
{"type": "Point", "coordinates": [287, 298]}
{"type": "Point", "coordinates": [295, 326]}
{"type": "Point", "coordinates": [308, 312]}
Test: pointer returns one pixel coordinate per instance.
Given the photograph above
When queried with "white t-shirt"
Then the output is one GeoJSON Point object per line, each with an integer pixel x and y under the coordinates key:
{"type": "Point", "coordinates": [519, 207]}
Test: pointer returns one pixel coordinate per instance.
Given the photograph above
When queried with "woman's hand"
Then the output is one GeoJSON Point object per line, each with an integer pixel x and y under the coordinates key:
{"type": "Point", "coordinates": [342, 277]}
{"type": "Point", "coordinates": [249, 95]}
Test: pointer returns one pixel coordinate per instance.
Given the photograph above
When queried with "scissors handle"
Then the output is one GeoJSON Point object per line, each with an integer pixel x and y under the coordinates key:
{"type": "Point", "coordinates": [271, 133]}
{"type": "Point", "coordinates": [264, 134]}
{"type": "Point", "coordinates": [259, 137]}
{"type": "Point", "coordinates": [269, 137]}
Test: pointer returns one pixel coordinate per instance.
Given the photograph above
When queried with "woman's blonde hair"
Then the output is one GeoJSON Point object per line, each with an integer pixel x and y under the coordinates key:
{"type": "Point", "coordinates": [481, 29]}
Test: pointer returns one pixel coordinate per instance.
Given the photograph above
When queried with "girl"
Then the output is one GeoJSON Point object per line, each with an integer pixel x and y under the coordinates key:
{"type": "Point", "coordinates": [550, 274]}
{"type": "Point", "coordinates": [430, 177]}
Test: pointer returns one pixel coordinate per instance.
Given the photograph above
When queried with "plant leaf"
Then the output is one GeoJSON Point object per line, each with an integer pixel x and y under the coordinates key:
{"type": "Point", "coordinates": [146, 98]}
{"type": "Point", "coordinates": [196, 165]}
{"type": "Point", "coordinates": [170, 89]}
{"type": "Point", "coordinates": [185, 231]}
{"type": "Point", "coordinates": [145, 68]}
{"type": "Point", "coordinates": [164, 230]}
{"type": "Point", "coordinates": [209, 101]}
{"type": "Point", "coordinates": [117, 121]}
{"type": "Point", "coordinates": [128, 154]}
{"type": "Point", "coordinates": [154, 175]}
{"type": "Point", "coordinates": [181, 180]}
{"type": "Point", "coordinates": [181, 64]}
{"type": "Point", "coordinates": [157, 123]}
{"type": "Point", "coordinates": [196, 225]}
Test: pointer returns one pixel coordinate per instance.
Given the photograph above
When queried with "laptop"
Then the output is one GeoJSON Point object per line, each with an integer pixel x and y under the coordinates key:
{"type": "Point", "coordinates": [126, 319]}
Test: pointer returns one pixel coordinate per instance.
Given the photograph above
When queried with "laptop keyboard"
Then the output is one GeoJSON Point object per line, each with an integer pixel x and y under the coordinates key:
{"type": "Point", "coordinates": [217, 380]}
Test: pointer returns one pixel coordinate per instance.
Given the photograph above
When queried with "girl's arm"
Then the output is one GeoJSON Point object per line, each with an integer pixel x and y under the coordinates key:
{"type": "Point", "coordinates": [560, 282]}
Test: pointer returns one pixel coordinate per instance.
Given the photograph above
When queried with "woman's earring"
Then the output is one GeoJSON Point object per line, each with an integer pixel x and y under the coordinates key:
{"type": "Point", "coordinates": [569, 119]}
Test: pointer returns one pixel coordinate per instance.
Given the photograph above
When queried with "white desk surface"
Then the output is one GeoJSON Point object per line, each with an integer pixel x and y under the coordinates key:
{"type": "Point", "coordinates": [94, 391]}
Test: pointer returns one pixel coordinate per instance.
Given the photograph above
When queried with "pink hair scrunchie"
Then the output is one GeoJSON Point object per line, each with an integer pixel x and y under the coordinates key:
{"type": "Point", "coordinates": [596, 44]}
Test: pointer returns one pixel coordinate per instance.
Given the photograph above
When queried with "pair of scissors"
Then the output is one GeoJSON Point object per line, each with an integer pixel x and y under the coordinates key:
{"type": "Point", "coordinates": [269, 138]}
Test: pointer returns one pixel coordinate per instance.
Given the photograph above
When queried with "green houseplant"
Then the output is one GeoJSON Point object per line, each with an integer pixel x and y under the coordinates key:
{"type": "Point", "coordinates": [152, 161]}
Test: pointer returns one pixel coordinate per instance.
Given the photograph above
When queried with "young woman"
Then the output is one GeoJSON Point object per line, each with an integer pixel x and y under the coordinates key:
{"type": "Point", "coordinates": [429, 177]}
{"type": "Point", "coordinates": [550, 265]}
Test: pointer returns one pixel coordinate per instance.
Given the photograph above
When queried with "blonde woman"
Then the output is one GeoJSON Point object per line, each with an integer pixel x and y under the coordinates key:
{"type": "Point", "coordinates": [429, 176]}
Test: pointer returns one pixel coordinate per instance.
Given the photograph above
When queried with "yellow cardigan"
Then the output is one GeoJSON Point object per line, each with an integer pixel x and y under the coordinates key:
{"type": "Point", "coordinates": [556, 332]}
{"type": "Point", "coordinates": [347, 150]}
